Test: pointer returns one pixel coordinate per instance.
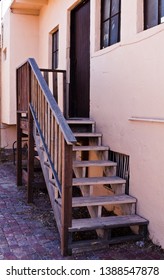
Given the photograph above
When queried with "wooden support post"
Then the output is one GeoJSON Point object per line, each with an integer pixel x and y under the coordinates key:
{"type": "Point", "coordinates": [66, 211]}
{"type": "Point", "coordinates": [19, 151]}
{"type": "Point", "coordinates": [30, 167]}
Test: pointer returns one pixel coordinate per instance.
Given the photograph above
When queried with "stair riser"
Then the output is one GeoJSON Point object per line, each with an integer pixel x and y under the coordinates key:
{"type": "Point", "coordinates": [98, 170]}
{"type": "Point", "coordinates": [114, 209]}
{"type": "Point", "coordinates": [91, 141]}
{"type": "Point", "coordinates": [82, 127]}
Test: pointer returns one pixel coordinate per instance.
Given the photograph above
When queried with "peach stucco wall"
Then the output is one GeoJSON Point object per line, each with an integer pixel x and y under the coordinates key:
{"type": "Point", "coordinates": [20, 40]}
{"type": "Point", "coordinates": [126, 81]}
{"type": "Point", "coordinates": [129, 76]}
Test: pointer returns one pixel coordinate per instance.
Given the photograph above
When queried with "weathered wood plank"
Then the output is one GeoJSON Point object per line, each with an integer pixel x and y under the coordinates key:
{"type": "Point", "coordinates": [87, 134]}
{"type": "Point", "coordinates": [80, 121]}
{"type": "Point", "coordinates": [90, 148]}
{"type": "Point", "coordinates": [98, 180]}
{"type": "Point", "coordinates": [106, 222]}
{"type": "Point", "coordinates": [87, 163]}
{"type": "Point", "coordinates": [101, 200]}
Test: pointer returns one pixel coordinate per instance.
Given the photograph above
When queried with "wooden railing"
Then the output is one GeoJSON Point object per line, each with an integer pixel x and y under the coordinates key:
{"type": "Point", "coordinates": [35, 97]}
{"type": "Point", "coordinates": [56, 81]}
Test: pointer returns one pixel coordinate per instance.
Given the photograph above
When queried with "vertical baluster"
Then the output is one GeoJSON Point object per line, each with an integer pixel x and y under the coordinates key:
{"type": "Point", "coordinates": [54, 140]}
{"type": "Point", "coordinates": [43, 114]}
{"type": "Point", "coordinates": [36, 93]}
{"type": "Point", "coordinates": [56, 146]}
{"type": "Point", "coordinates": [47, 108]}
{"type": "Point", "coordinates": [55, 87]}
{"type": "Point", "coordinates": [50, 127]}
{"type": "Point", "coordinates": [52, 134]}
{"type": "Point", "coordinates": [40, 107]}
{"type": "Point", "coordinates": [38, 103]}
{"type": "Point", "coordinates": [46, 77]}
{"type": "Point", "coordinates": [60, 157]}
{"type": "Point", "coordinates": [49, 130]}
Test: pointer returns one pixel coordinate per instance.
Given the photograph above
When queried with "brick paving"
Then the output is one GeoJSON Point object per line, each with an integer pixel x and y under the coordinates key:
{"type": "Point", "coordinates": [28, 231]}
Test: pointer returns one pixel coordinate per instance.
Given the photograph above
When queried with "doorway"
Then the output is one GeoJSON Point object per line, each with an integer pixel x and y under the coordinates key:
{"type": "Point", "coordinates": [79, 93]}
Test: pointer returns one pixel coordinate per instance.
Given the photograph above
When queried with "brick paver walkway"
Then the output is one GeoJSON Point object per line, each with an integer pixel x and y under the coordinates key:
{"type": "Point", "coordinates": [28, 231]}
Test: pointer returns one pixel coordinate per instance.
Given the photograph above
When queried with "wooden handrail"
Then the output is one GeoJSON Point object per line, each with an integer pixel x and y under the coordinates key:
{"type": "Point", "coordinates": [68, 135]}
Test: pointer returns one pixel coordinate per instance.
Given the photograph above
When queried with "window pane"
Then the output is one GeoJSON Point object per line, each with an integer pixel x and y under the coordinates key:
{"type": "Point", "coordinates": [54, 60]}
{"type": "Point", "coordinates": [110, 22]}
{"type": "Point", "coordinates": [151, 13]}
{"type": "Point", "coordinates": [162, 11]}
{"type": "Point", "coordinates": [55, 47]}
{"type": "Point", "coordinates": [115, 6]}
{"type": "Point", "coordinates": [105, 35]}
{"type": "Point", "coordinates": [55, 40]}
{"type": "Point", "coordinates": [105, 9]}
{"type": "Point", "coordinates": [114, 30]}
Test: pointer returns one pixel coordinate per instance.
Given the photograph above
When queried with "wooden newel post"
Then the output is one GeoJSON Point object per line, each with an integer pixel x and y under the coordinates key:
{"type": "Point", "coordinates": [66, 212]}
{"type": "Point", "coordinates": [19, 133]}
{"type": "Point", "coordinates": [30, 167]}
{"type": "Point", "coordinates": [19, 151]}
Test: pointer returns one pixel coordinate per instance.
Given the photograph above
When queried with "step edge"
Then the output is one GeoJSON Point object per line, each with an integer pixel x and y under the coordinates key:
{"type": "Point", "coordinates": [115, 201]}
{"type": "Point", "coordinates": [98, 180]}
{"type": "Point", "coordinates": [115, 224]}
{"type": "Point", "coordinates": [78, 163]}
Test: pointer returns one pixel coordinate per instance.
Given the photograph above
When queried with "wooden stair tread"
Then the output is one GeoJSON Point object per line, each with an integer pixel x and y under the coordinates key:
{"type": "Point", "coordinates": [106, 222]}
{"type": "Point", "coordinates": [80, 121]}
{"type": "Point", "coordinates": [100, 200]}
{"type": "Point", "coordinates": [87, 134]}
{"type": "Point", "coordinates": [90, 148]}
{"type": "Point", "coordinates": [87, 163]}
{"type": "Point", "coordinates": [98, 180]}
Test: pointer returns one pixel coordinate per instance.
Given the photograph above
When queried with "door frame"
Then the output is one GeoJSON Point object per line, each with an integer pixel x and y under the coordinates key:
{"type": "Point", "coordinates": [75, 6]}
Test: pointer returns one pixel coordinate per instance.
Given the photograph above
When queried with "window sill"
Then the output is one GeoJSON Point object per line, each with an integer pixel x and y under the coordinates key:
{"type": "Point", "coordinates": [105, 50]}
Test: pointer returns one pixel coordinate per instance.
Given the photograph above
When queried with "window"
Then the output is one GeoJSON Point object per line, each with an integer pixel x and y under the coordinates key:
{"type": "Point", "coordinates": [55, 49]}
{"type": "Point", "coordinates": [110, 22]}
{"type": "Point", "coordinates": [153, 13]}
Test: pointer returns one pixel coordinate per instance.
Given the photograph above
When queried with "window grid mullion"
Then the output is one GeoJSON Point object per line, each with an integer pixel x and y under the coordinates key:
{"type": "Point", "coordinates": [119, 22]}
{"type": "Point", "coordinates": [159, 11]}
{"type": "Point", "coordinates": [110, 16]}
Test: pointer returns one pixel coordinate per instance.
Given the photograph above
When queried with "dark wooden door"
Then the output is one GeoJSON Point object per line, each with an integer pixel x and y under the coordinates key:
{"type": "Point", "coordinates": [80, 61]}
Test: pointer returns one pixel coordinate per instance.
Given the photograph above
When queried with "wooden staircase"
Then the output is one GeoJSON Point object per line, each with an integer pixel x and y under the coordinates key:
{"type": "Point", "coordinates": [96, 175]}
{"type": "Point", "coordinates": [89, 202]}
